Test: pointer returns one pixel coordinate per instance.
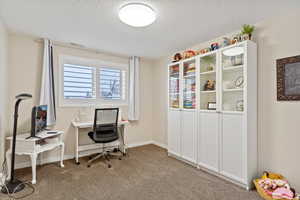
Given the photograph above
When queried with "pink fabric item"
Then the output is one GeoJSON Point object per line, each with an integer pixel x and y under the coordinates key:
{"type": "Point", "coordinates": [282, 193]}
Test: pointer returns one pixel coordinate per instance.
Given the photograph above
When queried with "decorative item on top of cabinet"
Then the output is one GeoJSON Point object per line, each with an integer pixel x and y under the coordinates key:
{"type": "Point", "coordinates": [247, 31]}
{"type": "Point", "coordinates": [214, 46]}
{"type": "Point", "coordinates": [225, 42]}
{"type": "Point", "coordinates": [288, 79]}
{"type": "Point", "coordinates": [177, 57]}
{"type": "Point", "coordinates": [204, 51]}
{"type": "Point", "coordinates": [188, 54]}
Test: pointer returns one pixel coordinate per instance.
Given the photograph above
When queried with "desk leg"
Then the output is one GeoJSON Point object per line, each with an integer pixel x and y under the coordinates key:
{"type": "Point", "coordinates": [76, 146]}
{"type": "Point", "coordinates": [62, 152]}
{"type": "Point", "coordinates": [122, 129]}
{"type": "Point", "coordinates": [33, 164]}
{"type": "Point", "coordinates": [8, 163]}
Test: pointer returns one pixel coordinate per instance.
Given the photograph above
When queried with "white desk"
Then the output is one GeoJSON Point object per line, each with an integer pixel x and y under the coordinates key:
{"type": "Point", "coordinates": [33, 146]}
{"type": "Point", "coordinates": [84, 125]}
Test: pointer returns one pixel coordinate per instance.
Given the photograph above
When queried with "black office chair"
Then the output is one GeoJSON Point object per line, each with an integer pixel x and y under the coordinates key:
{"type": "Point", "coordinates": [105, 130]}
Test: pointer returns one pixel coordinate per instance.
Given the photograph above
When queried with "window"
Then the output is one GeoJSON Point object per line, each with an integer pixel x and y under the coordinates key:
{"type": "Point", "coordinates": [79, 82]}
{"type": "Point", "coordinates": [87, 82]}
{"type": "Point", "coordinates": [110, 83]}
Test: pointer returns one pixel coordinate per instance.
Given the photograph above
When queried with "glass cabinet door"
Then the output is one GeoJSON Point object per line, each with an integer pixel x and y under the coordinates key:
{"type": "Point", "coordinates": [233, 66]}
{"type": "Point", "coordinates": [174, 85]}
{"type": "Point", "coordinates": [208, 94]}
{"type": "Point", "coordinates": [189, 84]}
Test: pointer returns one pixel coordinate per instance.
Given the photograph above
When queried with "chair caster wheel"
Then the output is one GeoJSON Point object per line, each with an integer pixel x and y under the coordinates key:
{"type": "Point", "coordinates": [89, 166]}
{"type": "Point", "coordinates": [109, 166]}
{"type": "Point", "coordinates": [120, 158]}
{"type": "Point", "coordinates": [77, 163]}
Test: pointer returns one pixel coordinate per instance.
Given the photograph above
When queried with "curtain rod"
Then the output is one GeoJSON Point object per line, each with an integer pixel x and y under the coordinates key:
{"type": "Point", "coordinates": [79, 47]}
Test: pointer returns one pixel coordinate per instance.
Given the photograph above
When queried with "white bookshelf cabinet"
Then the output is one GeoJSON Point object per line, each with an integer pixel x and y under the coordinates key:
{"type": "Point", "coordinates": [222, 138]}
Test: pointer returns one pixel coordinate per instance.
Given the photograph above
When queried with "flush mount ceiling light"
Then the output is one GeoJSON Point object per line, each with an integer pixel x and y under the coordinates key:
{"type": "Point", "coordinates": [235, 51]}
{"type": "Point", "coordinates": [137, 14]}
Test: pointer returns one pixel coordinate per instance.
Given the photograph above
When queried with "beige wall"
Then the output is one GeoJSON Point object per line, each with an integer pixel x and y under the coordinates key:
{"type": "Point", "coordinates": [25, 68]}
{"type": "Point", "coordinates": [278, 134]}
{"type": "Point", "coordinates": [3, 96]}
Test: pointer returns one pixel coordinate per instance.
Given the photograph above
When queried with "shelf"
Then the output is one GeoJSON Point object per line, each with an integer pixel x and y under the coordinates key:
{"type": "Point", "coordinates": [189, 76]}
{"type": "Point", "coordinates": [232, 112]}
{"type": "Point", "coordinates": [208, 72]}
{"type": "Point", "coordinates": [208, 91]}
{"type": "Point", "coordinates": [207, 111]}
{"type": "Point", "coordinates": [234, 90]}
{"type": "Point", "coordinates": [189, 108]}
{"type": "Point", "coordinates": [234, 67]}
{"type": "Point", "coordinates": [174, 108]}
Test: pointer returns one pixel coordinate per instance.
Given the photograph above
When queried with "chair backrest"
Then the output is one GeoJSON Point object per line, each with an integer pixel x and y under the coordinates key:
{"type": "Point", "coordinates": [106, 125]}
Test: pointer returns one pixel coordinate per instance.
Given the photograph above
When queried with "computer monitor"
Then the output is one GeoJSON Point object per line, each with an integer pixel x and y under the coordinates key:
{"type": "Point", "coordinates": [38, 119]}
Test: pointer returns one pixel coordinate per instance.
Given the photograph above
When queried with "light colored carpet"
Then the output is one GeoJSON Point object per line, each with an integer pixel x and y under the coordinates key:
{"type": "Point", "coordinates": [147, 174]}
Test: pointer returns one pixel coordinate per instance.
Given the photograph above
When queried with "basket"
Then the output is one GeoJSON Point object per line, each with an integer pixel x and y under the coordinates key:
{"type": "Point", "coordinates": [262, 192]}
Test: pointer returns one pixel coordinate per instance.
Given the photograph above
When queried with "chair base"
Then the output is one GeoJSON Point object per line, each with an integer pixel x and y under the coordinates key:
{"type": "Point", "coordinates": [107, 155]}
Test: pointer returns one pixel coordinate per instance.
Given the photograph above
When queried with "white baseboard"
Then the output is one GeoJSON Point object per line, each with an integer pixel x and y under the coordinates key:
{"type": "Point", "coordinates": [139, 144]}
{"type": "Point", "coordinates": [52, 159]}
{"type": "Point", "coordinates": [164, 146]}
{"type": "Point", "coordinates": [146, 143]}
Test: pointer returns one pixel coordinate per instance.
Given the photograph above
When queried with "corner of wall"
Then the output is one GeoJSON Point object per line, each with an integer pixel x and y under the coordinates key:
{"type": "Point", "coordinates": [159, 98]}
{"type": "Point", "coordinates": [3, 91]}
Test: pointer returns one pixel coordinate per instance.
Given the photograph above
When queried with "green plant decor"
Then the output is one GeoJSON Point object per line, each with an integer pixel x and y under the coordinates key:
{"type": "Point", "coordinates": [248, 29]}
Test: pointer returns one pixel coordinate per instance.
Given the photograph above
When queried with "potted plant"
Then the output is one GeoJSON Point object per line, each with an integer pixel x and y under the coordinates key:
{"type": "Point", "coordinates": [247, 31]}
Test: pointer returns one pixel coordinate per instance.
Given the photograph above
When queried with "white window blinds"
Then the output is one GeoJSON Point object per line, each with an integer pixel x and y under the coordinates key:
{"type": "Point", "coordinates": [111, 84]}
{"type": "Point", "coordinates": [79, 82]}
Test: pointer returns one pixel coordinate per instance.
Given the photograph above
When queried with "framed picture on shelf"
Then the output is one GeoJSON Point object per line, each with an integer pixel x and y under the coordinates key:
{"type": "Point", "coordinates": [211, 106]}
{"type": "Point", "coordinates": [288, 79]}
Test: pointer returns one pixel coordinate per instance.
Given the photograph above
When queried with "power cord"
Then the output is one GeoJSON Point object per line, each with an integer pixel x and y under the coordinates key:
{"type": "Point", "coordinates": [3, 185]}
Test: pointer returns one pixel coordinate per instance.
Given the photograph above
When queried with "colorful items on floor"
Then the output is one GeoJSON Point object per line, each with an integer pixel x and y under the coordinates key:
{"type": "Point", "coordinates": [274, 186]}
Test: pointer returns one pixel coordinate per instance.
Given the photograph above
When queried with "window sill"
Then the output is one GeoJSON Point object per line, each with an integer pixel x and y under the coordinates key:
{"type": "Point", "coordinates": [83, 105]}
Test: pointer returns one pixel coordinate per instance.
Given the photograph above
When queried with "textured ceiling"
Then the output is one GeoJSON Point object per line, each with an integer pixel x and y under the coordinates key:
{"type": "Point", "coordinates": [95, 23]}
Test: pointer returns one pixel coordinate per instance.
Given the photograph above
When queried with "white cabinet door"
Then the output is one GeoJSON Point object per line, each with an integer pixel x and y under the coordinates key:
{"type": "Point", "coordinates": [174, 132]}
{"type": "Point", "coordinates": [233, 159]}
{"type": "Point", "coordinates": [208, 140]}
{"type": "Point", "coordinates": [189, 136]}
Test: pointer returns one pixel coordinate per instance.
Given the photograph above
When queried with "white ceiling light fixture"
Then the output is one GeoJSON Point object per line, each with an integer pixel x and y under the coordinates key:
{"type": "Point", "coordinates": [235, 51]}
{"type": "Point", "coordinates": [137, 14]}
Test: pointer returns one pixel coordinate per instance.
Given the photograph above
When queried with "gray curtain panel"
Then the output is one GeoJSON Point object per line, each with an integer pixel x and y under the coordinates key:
{"type": "Point", "coordinates": [47, 96]}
